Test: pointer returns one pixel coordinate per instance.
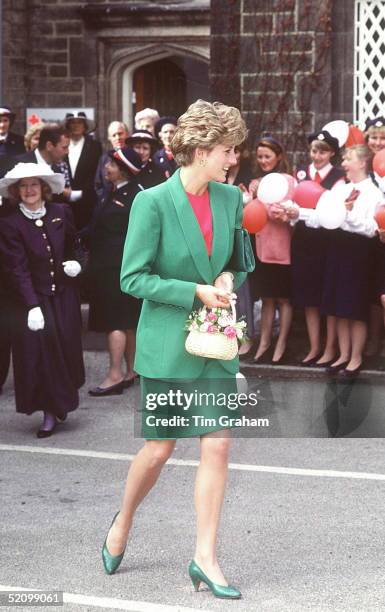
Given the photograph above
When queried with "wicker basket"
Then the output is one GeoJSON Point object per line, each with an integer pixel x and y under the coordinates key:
{"type": "Point", "coordinates": [213, 346]}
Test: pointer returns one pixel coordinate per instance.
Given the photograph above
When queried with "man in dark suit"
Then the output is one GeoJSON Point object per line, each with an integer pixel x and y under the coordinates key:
{"type": "Point", "coordinates": [83, 156]}
{"type": "Point", "coordinates": [11, 144]}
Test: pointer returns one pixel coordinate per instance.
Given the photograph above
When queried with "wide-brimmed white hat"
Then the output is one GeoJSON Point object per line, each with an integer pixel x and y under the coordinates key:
{"type": "Point", "coordinates": [30, 170]}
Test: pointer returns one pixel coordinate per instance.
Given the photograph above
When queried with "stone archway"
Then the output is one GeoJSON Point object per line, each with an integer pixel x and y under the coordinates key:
{"type": "Point", "coordinates": [121, 73]}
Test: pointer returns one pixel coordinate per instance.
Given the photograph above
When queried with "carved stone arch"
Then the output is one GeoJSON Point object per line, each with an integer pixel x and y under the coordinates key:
{"type": "Point", "coordinates": [126, 61]}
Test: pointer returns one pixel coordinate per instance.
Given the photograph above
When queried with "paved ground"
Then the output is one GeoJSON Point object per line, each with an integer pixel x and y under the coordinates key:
{"type": "Point", "coordinates": [302, 526]}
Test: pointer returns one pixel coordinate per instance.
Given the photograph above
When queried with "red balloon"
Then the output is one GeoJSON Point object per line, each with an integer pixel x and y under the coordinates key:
{"type": "Point", "coordinates": [254, 216]}
{"type": "Point", "coordinates": [356, 136]}
{"type": "Point", "coordinates": [380, 217]}
{"type": "Point", "coordinates": [307, 194]}
{"type": "Point", "coordinates": [379, 163]}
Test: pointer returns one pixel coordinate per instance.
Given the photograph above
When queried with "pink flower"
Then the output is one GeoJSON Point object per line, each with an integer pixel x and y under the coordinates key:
{"type": "Point", "coordinates": [212, 329]}
{"type": "Point", "coordinates": [230, 332]}
{"type": "Point", "coordinates": [211, 317]}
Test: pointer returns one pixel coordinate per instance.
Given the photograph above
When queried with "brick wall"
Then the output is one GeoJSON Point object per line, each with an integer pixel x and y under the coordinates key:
{"type": "Point", "coordinates": [277, 53]}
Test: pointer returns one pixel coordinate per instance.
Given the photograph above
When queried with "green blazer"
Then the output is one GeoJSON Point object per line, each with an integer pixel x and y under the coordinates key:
{"type": "Point", "coordinates": [164, 259]}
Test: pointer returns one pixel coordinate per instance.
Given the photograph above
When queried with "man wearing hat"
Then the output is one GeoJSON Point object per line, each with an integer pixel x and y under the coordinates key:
{"type": "Point", "coordinates": [83, 156]}
{"type": "Point", "coordinates": [165, 130]}
{"type": "Point", "coordinates": [11, 144]}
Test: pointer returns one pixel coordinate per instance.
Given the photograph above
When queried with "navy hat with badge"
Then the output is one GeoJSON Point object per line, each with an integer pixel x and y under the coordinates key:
{"type": "Point", "coordinates": [127, 159]}
{"type": "Point", "coordinates": [377, 122]}
{"type": "Point", "coordinates": [141, 136]}
{"type": "Point", "coordinates": [325, 136]}
{"type": "Point", "coordinates": [164, 121]}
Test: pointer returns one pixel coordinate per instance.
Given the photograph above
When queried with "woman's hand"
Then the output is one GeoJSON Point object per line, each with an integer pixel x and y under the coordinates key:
{"type": "Point", "coordinates": [214, 297]}
{"type": "Point", "coordinates": [225, 281]}
{"type": "Point", "coordinates": [35, 319]}
{"type": "Point", "coordinates": [71, 268]}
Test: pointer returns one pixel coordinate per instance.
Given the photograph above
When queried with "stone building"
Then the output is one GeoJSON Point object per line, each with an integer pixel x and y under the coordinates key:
{"type": "Point", "coordinates": [289, 65]}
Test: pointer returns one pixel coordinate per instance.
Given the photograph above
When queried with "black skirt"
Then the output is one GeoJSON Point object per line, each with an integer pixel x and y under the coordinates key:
{"type": "Point", "coordinates": [48, 364]}
{"type": "Point", "coordinates": [378, 271]}
{"type": "Point", "coordinates": [346, 291]}
{"type": "Point", "coordinates": [308, 265]}
{"type": "Point", "coordinates": [110, 308]}
{"type": "Point", "coordinates": [270, 281]}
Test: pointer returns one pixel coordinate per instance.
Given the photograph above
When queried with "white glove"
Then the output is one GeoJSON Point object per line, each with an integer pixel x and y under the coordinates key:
{"type": "Point", "coordinates": [76, 195]}
{"type": "Point", "coordinates": [71, 268]}
{"type": "Point", "coordinates": [35, 319]}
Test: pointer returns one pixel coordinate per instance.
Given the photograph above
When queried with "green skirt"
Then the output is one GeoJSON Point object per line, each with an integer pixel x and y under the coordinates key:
{"type": "Point", "coordinates": [180, 408]}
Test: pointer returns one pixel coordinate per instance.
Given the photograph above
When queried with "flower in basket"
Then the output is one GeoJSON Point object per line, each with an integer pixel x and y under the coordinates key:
{"type": "Point", "coordinates": [216, 321]}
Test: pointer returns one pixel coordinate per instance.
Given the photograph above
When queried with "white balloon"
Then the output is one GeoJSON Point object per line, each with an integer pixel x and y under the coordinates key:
{"type": "Point", "coordinates": [273, 188]}
{"type": "Point", "coordinates": [338, 129]}
{"type": "Point", "coordinates": [331, 211]}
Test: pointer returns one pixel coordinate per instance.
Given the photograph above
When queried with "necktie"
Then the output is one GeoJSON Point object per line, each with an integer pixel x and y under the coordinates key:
{"type": "Point", "coordinates": [317, 177]}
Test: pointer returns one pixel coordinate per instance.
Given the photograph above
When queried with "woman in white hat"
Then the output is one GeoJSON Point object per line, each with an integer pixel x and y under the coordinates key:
{"type": "Point", "coordinates": [38, 244]}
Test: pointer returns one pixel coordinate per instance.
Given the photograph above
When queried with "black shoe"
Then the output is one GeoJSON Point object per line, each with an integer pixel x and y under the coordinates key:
{"type": "Point", "coordinates": [311, 363]}
{"type": "Point", "coordinates": [128, 382]}
{"type": "Point", "coordinates": [334, 369]}
{"type": "Point", "coordinates": [325, 364]}
{"type": "Point", "coordinates": [264, 358]}
{"type": "Point", "coordinates": [283, 360]}
{"type": "Point", "coordinates": [45, 433]}
{"type": "Point", "coordinates": [112, 390]}
{"type": "Point", "coordinates": [348, 374]}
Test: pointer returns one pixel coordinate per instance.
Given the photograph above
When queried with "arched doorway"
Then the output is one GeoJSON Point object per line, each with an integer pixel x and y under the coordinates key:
{"type": "Point", "coordinates": [168, 84]}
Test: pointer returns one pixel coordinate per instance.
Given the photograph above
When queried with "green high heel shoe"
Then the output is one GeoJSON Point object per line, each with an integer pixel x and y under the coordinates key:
{"type": "Point", "coordinates": [218, 590]}
{"type": "Point", "coordinates": [111, 562]}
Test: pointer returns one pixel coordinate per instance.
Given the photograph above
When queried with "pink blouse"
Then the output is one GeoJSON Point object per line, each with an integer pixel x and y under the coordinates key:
{"type": "Point", "coordinates": [201, 207]}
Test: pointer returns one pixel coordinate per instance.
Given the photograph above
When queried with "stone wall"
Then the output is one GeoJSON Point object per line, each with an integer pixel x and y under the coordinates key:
{"type": "Point", "coordinates": [59, 53]}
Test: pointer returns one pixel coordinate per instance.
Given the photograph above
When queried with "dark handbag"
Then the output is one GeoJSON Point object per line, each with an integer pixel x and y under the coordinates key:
{"type": "Point", "coordinates": [242, 259]}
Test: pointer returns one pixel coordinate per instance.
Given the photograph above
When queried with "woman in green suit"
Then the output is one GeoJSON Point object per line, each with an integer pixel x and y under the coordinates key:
{"type": "Point", "coordinates": [179, 242]}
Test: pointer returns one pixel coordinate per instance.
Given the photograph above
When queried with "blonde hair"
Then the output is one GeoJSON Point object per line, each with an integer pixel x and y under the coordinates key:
{"type": "Point", "coordinates": [30, 133]}
{"type": "Point", "coordinates": [206, 125]}
{"type": "Point", "coordinates": [363, 153]}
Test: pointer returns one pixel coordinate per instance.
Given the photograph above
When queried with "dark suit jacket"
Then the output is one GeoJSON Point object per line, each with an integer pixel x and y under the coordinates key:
{"type": "Point", "coordinates": [14, 145]}
{"type": "Point", "coordinates": [101, 183]}
{"type": "Point", "coordinates": [167, 166]}
{"type": "Point", "coordinates": [84, 180]}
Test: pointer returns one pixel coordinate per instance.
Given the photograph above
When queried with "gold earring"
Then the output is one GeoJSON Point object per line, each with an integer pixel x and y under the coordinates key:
{"type": "Point", "coordinates": [202, 162]}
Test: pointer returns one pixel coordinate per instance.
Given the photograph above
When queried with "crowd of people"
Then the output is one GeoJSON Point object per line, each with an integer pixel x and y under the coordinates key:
{"type": "Point", "coordinates": [63, 222]}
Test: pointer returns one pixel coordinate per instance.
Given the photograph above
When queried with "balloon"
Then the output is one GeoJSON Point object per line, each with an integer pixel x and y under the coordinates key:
{"type": "Point", "coordinates": [254, 216]}
{"type": "Point", "coordinates": [331, 212]}
{"type": "Point", "coordinates": [356, 136]}
{"type": "Point", "coordinates": [292, 183]}
{"type": "Point", "coordinates": [338, 129]}
{"type": "Point", "coordinates": [380, 217]}
{"type": "Point", "coordinates": [379, 163]}
{"type": "Point", "coordinates": [273, 188]}
{"type": "Point", "coordinates": [307, 194]}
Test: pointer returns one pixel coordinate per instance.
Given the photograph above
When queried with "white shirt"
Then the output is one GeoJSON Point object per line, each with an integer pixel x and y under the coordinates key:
{"type": "Point", "coordinates": [323, 172]}
{"type": "Point", "coordinates": [359, 220]}
{"type": "Point", "coordinates": [40, 159]}
{"type": "Point", "coordinates": [74, 151]}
